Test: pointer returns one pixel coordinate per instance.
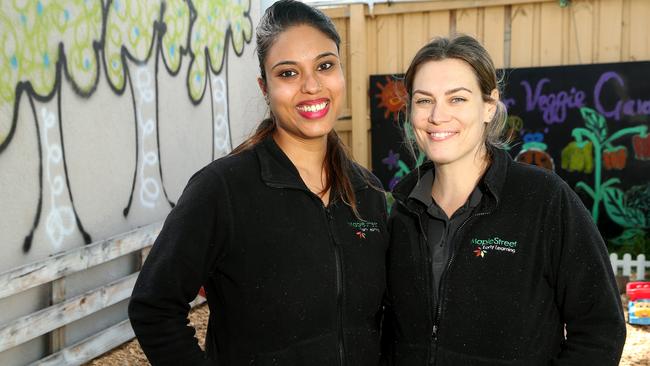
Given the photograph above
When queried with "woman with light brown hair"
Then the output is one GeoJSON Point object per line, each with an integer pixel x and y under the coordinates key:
{"type": "Point", "coordinates": [491, 262]}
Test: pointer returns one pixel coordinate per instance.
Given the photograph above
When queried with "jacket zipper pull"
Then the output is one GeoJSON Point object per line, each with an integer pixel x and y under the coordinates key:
{"type": "Point", "coordinates": [432, 350]}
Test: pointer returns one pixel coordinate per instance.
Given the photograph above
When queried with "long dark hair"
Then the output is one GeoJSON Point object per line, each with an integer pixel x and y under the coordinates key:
{"type": "Point", "coordinates": [278, 18]}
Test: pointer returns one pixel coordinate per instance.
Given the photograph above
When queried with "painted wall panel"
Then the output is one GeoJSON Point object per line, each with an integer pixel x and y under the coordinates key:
{"type": "Point", "coordinates": [106, 109]}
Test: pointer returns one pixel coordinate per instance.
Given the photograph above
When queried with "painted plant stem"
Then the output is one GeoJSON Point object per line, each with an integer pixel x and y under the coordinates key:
{"type": "Point", "coordinates": [596, 192]}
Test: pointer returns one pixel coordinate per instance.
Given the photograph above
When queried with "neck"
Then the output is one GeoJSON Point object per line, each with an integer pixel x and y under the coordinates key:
{"type": "Point", "coordinates": [304, 153]}
{"type": "Point", "coordinates": [454, 183]}
{"type": "Point", "coordinates": [308, 156]}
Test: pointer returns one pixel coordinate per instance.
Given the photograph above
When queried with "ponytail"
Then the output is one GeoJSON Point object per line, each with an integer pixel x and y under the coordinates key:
{"type": "Point", "coordinates": [264, 129]}
{"type": "Point", "coordinates": [338, 165]}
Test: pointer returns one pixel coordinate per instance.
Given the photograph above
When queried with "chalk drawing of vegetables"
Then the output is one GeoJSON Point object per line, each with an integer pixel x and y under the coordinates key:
{"type": "Point", "coordinates": [578, 157]}
{"type": "Point", "coordinates": [595, 136]}
{"type": "Point", "coordinates": [615, 158]}
{"type": "Point", "coordinates": [641, 143]}
{"type": "Point", "coordinates": [534, 152]}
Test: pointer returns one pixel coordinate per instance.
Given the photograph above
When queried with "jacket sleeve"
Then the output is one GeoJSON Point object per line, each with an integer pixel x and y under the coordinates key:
{"type": "Point", "coordinates": [172, 274]}
{"type": "Point", "coordinates": [586, 292]}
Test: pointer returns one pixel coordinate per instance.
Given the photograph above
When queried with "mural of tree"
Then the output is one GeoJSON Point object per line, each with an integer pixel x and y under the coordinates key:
{"type": "Point", "coordinates": [175, 33]}
{"type": "Point", "coordinates": [41, 41]}
{"type": "Point", "coordinates": [45, 43]}
{"type": "Point", "coordinates": [216, 22]}
{"type": "Point", "coordinates": [133, 31]}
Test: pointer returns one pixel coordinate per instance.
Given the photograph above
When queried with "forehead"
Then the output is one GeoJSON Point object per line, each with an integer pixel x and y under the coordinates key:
{"type": "Point", "coordinates": [300, 43]}
{"type": "Point", "coordinates": [445, 74]}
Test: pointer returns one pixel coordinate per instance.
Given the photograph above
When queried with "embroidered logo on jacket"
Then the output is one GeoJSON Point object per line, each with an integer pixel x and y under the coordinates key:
{"type": "Point", "coordinates": [361, 228]}
{"type": "Point", "coordinates": [483, 246]}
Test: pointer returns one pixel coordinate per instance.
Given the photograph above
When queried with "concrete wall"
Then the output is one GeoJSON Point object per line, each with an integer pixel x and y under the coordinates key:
{"type": "Point", "coordinates": [106, 109]}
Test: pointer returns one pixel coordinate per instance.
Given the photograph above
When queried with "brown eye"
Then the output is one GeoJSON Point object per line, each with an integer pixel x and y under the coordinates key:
{"type": "Point", "coordinates": [287, 74]}
{"type": "Point", "coordinates": [325, 66]}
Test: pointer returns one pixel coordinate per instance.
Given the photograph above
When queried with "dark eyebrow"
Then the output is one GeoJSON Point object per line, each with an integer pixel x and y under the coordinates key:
{"type": "Point", "coordinates": [451, 91]}
{"type": "Point", "coordinates": [287, 62]}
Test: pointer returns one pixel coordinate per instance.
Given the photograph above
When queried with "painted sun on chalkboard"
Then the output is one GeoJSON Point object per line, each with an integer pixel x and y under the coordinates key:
{"type": "Point", "coordinates": [392, 97]}
{"type": "Point", "coordinates": [587, 123]}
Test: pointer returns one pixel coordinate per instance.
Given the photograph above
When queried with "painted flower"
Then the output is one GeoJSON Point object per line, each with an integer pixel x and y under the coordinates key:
{"type": "Point", "coordinates": [391, 160]}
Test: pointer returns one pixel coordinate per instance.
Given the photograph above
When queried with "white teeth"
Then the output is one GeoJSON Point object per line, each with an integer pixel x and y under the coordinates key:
{"type": "Point", "coordinates": [312, 108]}
{"type": "Point", "coordinates": [441, 135]}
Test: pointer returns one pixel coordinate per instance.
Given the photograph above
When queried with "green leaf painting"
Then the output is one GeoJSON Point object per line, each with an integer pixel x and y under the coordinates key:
{"type": "Point", "coordinates": [177, 26]}
{"type": "Point", "coordinates": [613, 200]}
{"type": "Point", "coordinates": [595, 122]}
{"type": "Point", "coordinates": [33, 35]}
{"type": "Point", "coordinates": [214, 21]}
{"type": "Point", "coordinates": [622, 212]}
{"type": "Point", "coordinates": [129, 27]}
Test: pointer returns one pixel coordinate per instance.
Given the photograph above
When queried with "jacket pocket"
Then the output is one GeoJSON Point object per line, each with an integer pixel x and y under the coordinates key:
{"type": "Point", "coordinates": [322, 351]}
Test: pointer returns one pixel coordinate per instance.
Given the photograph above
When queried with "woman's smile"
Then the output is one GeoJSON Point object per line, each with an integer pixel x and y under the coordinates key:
{"type": "Point", "coordinates": [314, 109]}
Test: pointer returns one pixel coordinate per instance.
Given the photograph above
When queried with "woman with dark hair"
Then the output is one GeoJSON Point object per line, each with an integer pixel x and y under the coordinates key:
{"type": "Point", "coordinates": [286, 234]}
{"type": "Point", "coordinates": [491, 262]}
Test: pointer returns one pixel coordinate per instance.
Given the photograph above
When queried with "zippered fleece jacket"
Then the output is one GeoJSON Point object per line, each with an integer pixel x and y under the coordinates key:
{"type": "Point", "coordinates": [288, 280]}
{"type": "Point", "coordinates": [527, 262]}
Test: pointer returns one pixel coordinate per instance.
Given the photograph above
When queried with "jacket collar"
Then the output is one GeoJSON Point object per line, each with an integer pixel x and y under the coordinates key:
{"type": "Point", "coordinates": [278, 171]}
{"type": "Point", "coordinates": [492, 181]}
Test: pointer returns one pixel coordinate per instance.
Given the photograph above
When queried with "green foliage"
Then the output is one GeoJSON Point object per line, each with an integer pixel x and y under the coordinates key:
{"type": "Point", "coordinates": [633, 241]}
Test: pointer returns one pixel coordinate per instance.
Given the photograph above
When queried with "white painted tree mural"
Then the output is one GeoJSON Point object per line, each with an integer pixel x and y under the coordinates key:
{"type": "Point", "coordinates": [41, 41]}
{"type": "Point", "coordinates": [47, 43]}
{"type": "Point", "coordinates": [132, 28]}
{"type": "Point", "coordinates": [216, 23]}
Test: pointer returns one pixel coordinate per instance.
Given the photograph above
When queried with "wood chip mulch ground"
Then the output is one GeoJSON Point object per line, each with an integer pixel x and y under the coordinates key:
{"type": "Point", "coordinates": [635, 353]}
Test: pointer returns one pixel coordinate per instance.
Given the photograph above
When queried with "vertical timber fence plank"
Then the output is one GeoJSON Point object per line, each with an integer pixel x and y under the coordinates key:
{"type": "Point", "coordinates": [359, 84]}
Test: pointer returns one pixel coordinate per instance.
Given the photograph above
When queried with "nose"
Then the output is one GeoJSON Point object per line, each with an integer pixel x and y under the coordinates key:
{"type": "Point", "coordinates": [438, 114]}
{"type": "Point", "coordinates": [311, 84]}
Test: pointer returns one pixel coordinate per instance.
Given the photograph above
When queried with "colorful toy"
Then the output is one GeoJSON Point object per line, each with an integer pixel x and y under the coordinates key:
{"type": "Point", "coordinates": [639, 305]}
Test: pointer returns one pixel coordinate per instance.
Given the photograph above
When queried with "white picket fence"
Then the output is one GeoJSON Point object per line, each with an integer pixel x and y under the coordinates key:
{"type": "Point", "coordinates": [627, 264]}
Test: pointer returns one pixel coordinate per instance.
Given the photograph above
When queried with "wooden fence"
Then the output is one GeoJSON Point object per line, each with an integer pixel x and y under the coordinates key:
{"type": "Point", "coordinates": [517, 33]}
{"type": "Point", "coordinates": [52, 320]}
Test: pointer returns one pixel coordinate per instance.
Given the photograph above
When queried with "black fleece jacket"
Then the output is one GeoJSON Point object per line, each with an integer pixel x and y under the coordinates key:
{"type": "Point", "coordinates": [288, 280]}
{"type": "Point", "coordinates": [526, 262]}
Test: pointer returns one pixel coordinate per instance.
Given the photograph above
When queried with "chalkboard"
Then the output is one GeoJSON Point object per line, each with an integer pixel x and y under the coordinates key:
{"type": "Point", "coordinates": [587, 123]}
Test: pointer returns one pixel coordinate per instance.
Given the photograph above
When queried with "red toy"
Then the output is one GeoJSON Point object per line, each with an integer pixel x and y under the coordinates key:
{"type": "Point", "coordinates": [638, 290]}
{"type": "Point", "coordinates": [639, 305]}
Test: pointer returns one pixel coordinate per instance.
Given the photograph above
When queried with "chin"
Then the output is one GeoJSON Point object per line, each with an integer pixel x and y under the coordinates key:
{"type": "Point", "coordinates": [317, 131]}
